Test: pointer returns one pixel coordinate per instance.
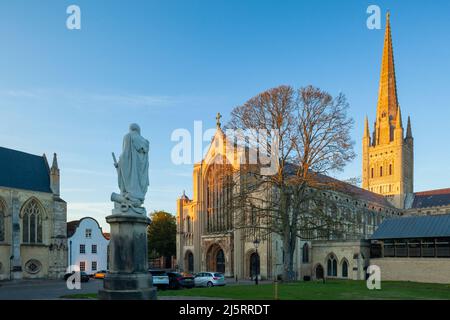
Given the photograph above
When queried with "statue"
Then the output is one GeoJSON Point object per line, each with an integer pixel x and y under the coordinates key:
{"type": "Point", "coordinates": [128, 277]}
{"type": "Point", "coordinates": [132, 172]}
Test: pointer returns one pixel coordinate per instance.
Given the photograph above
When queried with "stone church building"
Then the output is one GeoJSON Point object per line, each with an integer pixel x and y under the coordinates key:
{"type": "Point", "coordinates": [207, 241]}
{"type": "Point", "coordinates": [33, 242]}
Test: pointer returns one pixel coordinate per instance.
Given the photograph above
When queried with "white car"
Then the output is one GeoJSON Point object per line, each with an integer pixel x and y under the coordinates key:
{"type": "Point", "coordinates": [160, 278]}
{"type": "Point", "coordinates": [209, 279]}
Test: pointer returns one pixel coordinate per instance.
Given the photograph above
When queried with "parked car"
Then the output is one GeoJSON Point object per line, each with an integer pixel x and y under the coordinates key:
{"type": "Point", "coordinates": [100, 274]}
{"type": "Point", "coordinates": [178, 281]}
{"type": "Point", "coordinates": [160, 279]}
{"type": "Point", "coordinates": [84, 277]}
{"type": "Point", "coordinates": [209, 279]}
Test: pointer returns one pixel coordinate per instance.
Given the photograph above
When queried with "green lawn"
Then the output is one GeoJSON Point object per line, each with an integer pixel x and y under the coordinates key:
{"type": "Point", "coordinates": [331, 290]}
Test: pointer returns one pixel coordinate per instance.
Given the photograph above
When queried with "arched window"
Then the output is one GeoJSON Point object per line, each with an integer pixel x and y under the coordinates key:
{"type": "Point", "coordinates": [344, 269]}
{"type": "Point", "coordinates": [381, 171]}
{"type": "Point", "coordinates": [332, 266]}
{"type": "Point", "coordinates": [188, 224]}
{"type": "Point", "coordinates": [305, 253]}
{"type": "Point", "coordinates": [218, 197]}
{"type": "Point", "coordinates": [390, 169]}
{"type": "Point", "coordinates": [32, 223]}
{"type": "Point", "coordinates": [371, 172]}
{"type": "Point", "coordinates": [190, 262]}
{"type": "Point", "coordinates": [2, 222]}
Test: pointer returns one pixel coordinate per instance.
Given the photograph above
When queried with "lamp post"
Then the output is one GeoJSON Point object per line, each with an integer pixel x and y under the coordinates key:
{"type": "Point", "coordinates": [256, 244]}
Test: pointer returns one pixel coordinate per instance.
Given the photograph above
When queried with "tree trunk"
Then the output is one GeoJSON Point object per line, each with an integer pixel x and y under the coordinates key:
{"type": "Point", "coordinates": [288, 264]}
{"type": "Point", "coordinates": [288, 237]}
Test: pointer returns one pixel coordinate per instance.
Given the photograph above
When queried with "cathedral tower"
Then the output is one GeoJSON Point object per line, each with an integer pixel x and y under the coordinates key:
{"type": "Point", "coordinates": [388, 154]}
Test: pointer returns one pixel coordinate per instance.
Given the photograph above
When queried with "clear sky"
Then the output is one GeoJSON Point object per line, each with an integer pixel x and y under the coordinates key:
{"type": "Point", "coordinates": [165, 64]}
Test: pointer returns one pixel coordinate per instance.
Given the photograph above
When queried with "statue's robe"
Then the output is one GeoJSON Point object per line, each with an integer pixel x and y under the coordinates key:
{"type": "Point", "coordinates": [133, 166]}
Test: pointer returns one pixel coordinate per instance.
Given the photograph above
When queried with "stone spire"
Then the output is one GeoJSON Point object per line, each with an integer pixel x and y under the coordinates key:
{"type": "Point", "coordinates": [398, 120]}
{"type": "Point", "coordinates": [387, 93]}
{"type": "Point", "coordinates": [408, 129]}
{"type": "Point", "coordinates": [55, 162]}
{"type": "Point", "coordinates": [54, 176]}
{"type": "Point", "coordinates": [366, 128]}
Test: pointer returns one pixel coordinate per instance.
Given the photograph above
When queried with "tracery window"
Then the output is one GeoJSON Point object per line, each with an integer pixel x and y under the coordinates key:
{"type": "Point", "coordinates": [32, 223]}
{"type": "Point", "coordinates": [218, 198]}
{"type": "Point", "coordinates": [332, 266]}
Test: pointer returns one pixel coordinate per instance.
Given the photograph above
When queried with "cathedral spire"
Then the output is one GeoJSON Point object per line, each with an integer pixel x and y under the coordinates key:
{"type": "Point", "coordinates": [408, 129]}
{"type": "Point", "coordinates": [366, 128]}
{"type": "Point", "coordinates": [398, 120]}
{"type": "Point", "coordinates": [387, 94]}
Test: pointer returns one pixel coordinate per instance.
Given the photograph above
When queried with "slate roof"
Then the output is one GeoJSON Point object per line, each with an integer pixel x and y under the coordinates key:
{"type": "Point", "coordinates": [432, 198]}
{"type": "Point", "coordinates": [433, 226]}
{"type": "Point", "coordinates": [345, 187]}
{"type": "Point", "coordinates": [72, 227]}
{"type": "Point", "coordinates": [355, 191]}
{"type": "Point", "coordinates": [24, 171]}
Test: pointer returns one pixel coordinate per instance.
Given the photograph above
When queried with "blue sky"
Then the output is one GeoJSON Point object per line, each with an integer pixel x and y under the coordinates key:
{"type": "Point", "coordinates": [165, 64]}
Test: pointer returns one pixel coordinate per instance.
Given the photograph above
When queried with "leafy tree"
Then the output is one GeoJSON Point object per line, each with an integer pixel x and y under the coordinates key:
{"type": "Point", "coordinates": [162, 234]}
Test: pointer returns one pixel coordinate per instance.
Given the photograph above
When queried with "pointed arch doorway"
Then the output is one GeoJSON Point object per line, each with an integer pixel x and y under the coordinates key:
{"type": "Point", "coordinates": [254, 265]}
{"type": "Point", "coordinates": [215, 258]}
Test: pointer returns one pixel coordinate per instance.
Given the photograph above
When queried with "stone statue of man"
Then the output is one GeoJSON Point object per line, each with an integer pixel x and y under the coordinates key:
{"type": "Point", "coordinates": [132, 171]}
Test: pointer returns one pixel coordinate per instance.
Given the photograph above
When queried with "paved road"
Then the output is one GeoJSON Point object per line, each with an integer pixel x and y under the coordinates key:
{"type": "Point", "coordinates": [43, 289]}
{"type": "Point", "coordinates": [54, 289]}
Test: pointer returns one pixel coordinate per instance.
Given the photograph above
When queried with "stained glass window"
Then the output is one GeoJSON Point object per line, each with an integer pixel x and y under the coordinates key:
{"type": "Point", "coordinates": [32, 223]}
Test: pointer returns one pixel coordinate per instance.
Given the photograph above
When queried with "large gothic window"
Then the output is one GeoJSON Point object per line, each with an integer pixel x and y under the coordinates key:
{"type": "Point", "coordinates": [218, 198]}
{"type": "Point", "coordinates": [32, 223]}
{"type": "Point", "coordinates": [2, 222]}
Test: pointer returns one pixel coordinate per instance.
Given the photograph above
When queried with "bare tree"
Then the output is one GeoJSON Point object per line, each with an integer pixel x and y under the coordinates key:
{"type": "Point", "coordinates": [311, 138]}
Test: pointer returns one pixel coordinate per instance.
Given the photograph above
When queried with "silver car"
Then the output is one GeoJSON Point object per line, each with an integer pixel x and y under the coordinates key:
{"type": "Point", "coordinates": [160, 279]}
{"type": "Point", "coordinates": [209, 279]}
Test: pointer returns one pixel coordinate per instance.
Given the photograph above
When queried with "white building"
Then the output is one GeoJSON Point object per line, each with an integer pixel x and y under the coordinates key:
{"type": "Point", "coordinates": [87, 245]}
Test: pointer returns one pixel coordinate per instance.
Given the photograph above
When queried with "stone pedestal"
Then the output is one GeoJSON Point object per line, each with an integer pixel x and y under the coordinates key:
{"type": "Point", "coordinates": [128, 277]}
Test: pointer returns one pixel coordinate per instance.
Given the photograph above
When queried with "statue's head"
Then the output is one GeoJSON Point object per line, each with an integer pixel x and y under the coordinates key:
{"type": "Point", "coordinates": [135, 127]}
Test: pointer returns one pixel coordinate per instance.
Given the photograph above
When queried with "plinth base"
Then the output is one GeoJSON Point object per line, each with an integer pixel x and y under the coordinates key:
{"type": "Point", "coordinates": [128, 277]}
{"type": "Point", "coordinates": [128, 287]}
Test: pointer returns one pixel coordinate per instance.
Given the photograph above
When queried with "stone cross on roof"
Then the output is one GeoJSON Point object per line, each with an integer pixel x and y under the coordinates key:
{"type": "Point", "coordinates": [218, 117]}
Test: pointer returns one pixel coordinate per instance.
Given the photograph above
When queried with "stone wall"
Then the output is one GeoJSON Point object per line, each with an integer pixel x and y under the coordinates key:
{"type": "Point", "coordinates": [50, 256]}
{"type": "Point", "coordinates": [355, 253]}
{"type": "Point", "coordinates": [430, 270]}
